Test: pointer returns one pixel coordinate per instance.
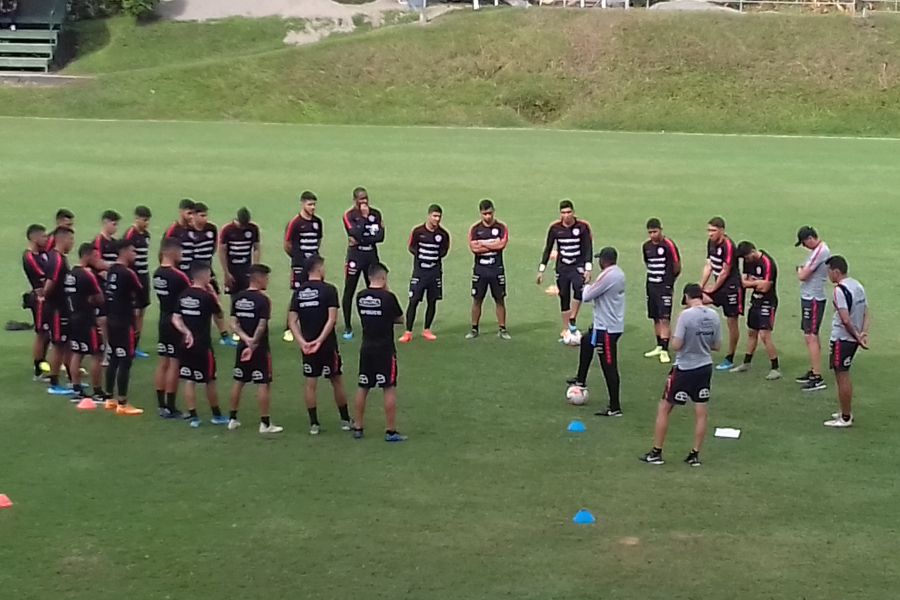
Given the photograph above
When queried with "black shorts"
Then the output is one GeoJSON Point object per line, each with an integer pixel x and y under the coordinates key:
{"type": "Point", "coordinates": [325, 363]}
{"type": "Point", "coordinates": [496, 282]}
{"type": "Point", "coordinates": [358, 263]}
{"type": "Point", "coordinates": [659, 301]}
{"type": "Point", "coordinates": [693, 385]}
{"type": "Point", "coordinates": [812, 312]}
{"type": "Point", "coordinates": [730, 298]}
{"type": "Point", "coordinates": [570, 284]}
{"type": "Point", "coordinates": [761, 316]}
{"type": "Point", "coordinates": [170, 339]}
{"type": "Point", "coordinates": [298, 277]}
{"type": "Point", "coordinates": [241, 282]}
{"type": "Point", "coordinates": [257, 370]}
{"type": "Point", "coordinates": [143, 300]}
{"type": "Point", "coordinates": [430, 284]}
{"type": "Point", "coordinates": [121, 338]}
{"type": "Point", "coordinates": [377, 368]}
{"type": "Point", "coordinates": [198, 365]}
{"type": "Point", "coordinates": [84, 338]}
{"type": "Point", "coordinates": [56, 325]}
{"type": "Point", "coordinates": [842, 353]}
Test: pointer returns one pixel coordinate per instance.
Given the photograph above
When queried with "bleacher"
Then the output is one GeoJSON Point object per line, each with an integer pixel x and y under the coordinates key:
{"type": "Point", "coordinates": [30, 34]}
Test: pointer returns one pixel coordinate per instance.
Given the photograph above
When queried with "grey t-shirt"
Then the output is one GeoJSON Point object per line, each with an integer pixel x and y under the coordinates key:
{"type": "Point", "coordinates": [849, 295]}
{"type": "Point", "coordinates": [814, 287]}
{"type": "Point", "coordinates": [700, 329]}
{"type": "Point", "coordinates": [608, 295]}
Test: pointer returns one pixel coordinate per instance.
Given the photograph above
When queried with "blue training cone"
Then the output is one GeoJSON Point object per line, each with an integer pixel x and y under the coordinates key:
{"type": "Point", "coordinates": [576, 426]}
{"type": "Point", "coordinates": [584, 517]}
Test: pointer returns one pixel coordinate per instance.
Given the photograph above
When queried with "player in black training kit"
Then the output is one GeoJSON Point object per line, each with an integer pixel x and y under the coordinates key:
{"type": "Point", "coordinates": [487, 241]}
{"type": "Point", "coordinates": [55, 307]}
{"type": "Point", "coordinates": [139, 235]}
{"type": "Point", "coordinates": [169, 282]}
{"type": "Point", "coordinates": [365, 230]}
{"type": "Point", "coordinates": [180, 231]}
{"type": "Point", "coordinates": [726, 291]}
{"type": "Point", "coordinates": [197, 306]}
{"type": "Point", "coordinates": [85, 297]}
{"type": "Point", "coordinates": [312, 319]}
{"type": "Point", "coordinates": [34, 263]}
{"type": "Point", "coordinates": [760, 276]}
{"type": "Point", "coordinates": [105, 242]}
{"type": "Point", "coordinates": [204, 242]}
{"type": "Point", "coordinates": [251, 311]}
{"type": "Point", "coordinates": [575, 247]}
{"type": "Point", "coordinates": [123, 292]}
{"type": "Point", "coordinates": [302, 240]}
{"type": "Point", "coordinates": [238, 249]}
{"type": "Point", "coordinates": [429, 243]}
{"type": "Point", "coordinates": [663, 263]}
{"type": "Point", "coordinates": [379, 311]}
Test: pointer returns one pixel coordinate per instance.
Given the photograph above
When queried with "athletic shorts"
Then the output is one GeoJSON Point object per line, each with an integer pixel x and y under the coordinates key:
{"type": "Point", "coordinates": [761, 317]}
{"type": "Point", "coordinates": [241, 282]}
{"type": "Point", "coordinates": [197, 365]}
{"type": "Point", "coordinates": [812, 312]}
{"type": "Point", "coordinates": [56, 324]}
{"type": "Point", "coordinates": [377, 368]}
{"type": "Point", "coordinates": [570, 284]}
{"type": "Point", "coordinates": [170, 339]}
{"type": "Point", "coordinates": [496, 282]}
{"type": "Point", "coordinates": [358, 264]}
{"type": "Point", "coordinates": [730, 298]}
{"type": "Point", "coordinates": [325, 363]}
{"type": "Point", "coordinates": [257, 370]}
{"type": "Point", "coordinates": [84, 339]}
{"type": "Point", "coordinates": [143, 294]}
{"type": "Point", "coordinates": [121, 338]}
{"type": "Point", "coordinates": [692, 384]}
{"type": "Point", "coordinates": [298, 277]}
{"type": "Point", "coordinates": [430, 284]}
{"type": "Point", "coordinates": [659, 302]}
{"type": "Point", "coordinates": [842, 353]}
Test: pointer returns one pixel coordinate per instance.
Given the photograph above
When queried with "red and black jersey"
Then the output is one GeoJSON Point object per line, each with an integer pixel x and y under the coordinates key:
{"type": "Point", "coordinates": [141, 241]}
{"type": "Point", "coordinates": [107, 248]}
{"type": "Point", "coordinates": [123, 291]}
{"type": "Point", "coordinates": [764, 269]}
{"type": "Point", "coordinates": [197, 308]}
{"type": "Point", "coordinates": [720, 255]}
{"type": "Point", "coordinates": [169, 283]}
{"type": "Point", "coordinates": [305, 238]}
{"type": "Point", "coordinates": [181, 233]}
{"type": "Point", "coordinates": [34, 265]}
{"type": "Point", "coordinates": [663, 262]}
{"type": "Point", "coordinates": [83, 293]}
{"type": "Point", "coordinates": [249, 308]}
{"type": "Point", "coordinates": [238, 243]}
{"type": "Point", "coordinates": [312, 301]}
{"type": "Point", "coordinates": [365, 231]}
{"type": "Point", "coordinates": [379, 311]}
{"type": "Point", "coordinates": [574, 245]}
{"type": "Point", "coordinates": [205, 242]}
{"type": "Point", "coordinates": [491, 262]}
{"type": "Point", "coordinates": [56, 271]}
{"type": "Point", "coordinates": [428, 248]}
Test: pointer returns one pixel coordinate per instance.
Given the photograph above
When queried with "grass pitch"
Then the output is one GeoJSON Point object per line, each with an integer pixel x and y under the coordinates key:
{"type": "Point", "coordinates": [478, 503]}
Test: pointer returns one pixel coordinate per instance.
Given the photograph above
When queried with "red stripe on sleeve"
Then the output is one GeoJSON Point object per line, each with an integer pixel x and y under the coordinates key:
{"type": "Point", "coordinates": [289, 232]}
{"type": "Point", "coordinates": [171, 230]}
{"type": "Point", "coordinates": [34, 265]}
{"type": "Point", "coordinates": [130, 233]}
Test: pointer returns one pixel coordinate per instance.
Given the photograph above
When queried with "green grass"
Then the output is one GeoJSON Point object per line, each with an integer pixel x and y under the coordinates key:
{"type": "Point", "coordinates": [478, 503]}
{"type": "Point", "coordinates": [576, 69]}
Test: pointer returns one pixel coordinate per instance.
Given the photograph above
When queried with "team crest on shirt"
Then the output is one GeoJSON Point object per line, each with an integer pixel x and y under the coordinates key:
{"type": "Point", "coordinates": [719, 252]}
{"type": "Point", "coordinates": [371, 218]}
{"type": "Point", "coordinates": [248, 234]}
{"type": "Point", "coordinates": [495, 231]}
{"type": "Point", "coordinates": [438, 237]}
{"type": "Point", "coordinates": [660, 250]}
{"type": "Point", "coordinates": [576, 232]}
{"type": "Point", "coordinates": [315, 226]}
{"type": "Point", "coordinates": [210, 234]}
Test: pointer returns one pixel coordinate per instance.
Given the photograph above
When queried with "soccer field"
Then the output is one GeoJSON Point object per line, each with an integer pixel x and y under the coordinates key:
{"type": "Point", "coordinates": [478, 503]}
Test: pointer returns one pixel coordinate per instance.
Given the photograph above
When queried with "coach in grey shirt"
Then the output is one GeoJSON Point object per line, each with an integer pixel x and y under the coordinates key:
{"type": "Point", "coordinates": [607, 295]}
{"type": "Point", "coordinates": [812, 275]}
{"type": "Point", "coordinates": [698, 333]}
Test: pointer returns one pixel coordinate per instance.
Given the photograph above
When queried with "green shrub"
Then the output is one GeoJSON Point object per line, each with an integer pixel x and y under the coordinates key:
{"type": "Point", "coordinates": [96, 9]}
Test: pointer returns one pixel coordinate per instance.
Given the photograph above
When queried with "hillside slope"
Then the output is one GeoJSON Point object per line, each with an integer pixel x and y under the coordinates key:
{"type": "Point", "coordinates": [584, 69]}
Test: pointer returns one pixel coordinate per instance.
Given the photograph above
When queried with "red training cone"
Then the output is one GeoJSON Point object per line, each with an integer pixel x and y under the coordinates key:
{"type": "Point", "coordinates": [86, 404]}
{"type": "Point", "coordinates": [5, 502]}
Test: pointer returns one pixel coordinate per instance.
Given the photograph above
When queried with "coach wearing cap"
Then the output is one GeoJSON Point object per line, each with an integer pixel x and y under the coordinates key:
{"type": "Point", "coordinates": [812, 275]}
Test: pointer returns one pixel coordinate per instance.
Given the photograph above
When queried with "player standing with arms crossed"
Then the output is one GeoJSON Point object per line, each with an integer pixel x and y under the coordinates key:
{"type": "Point", "coordinates": [123, 292]}
{"type": "Point", "coordinates": [302, 240]}
{"type": "Point", "coordinates": [169, 282]}
{"type": "Point", "coordinates": [85, 296]}
{"type": "Point", "coordinates": [251, 312]}
{"type": "Point", "coordinates": [574, 242]}
{"type": "Point", "coordinates": [849, 332]}
{"type": "Point", "coordinates": [180, 230]}
{"type": "Point", "coordinates": [812, 275]}
{"type": "Point", "coordinates": [312, 319]}
{"type": "Point", "coordinates": [379, 311]}
{"type": "Point", "coordinates": [697, 335]}
{"type": "Point", "coordinates": [726, 290]}
{"type": "Point", "coordinates": [139, 235]}
{"type": "Point", "coordinates": [429, 244]}
{"type": "Point", "coordinates": [34, 263]}
{"type": "Point", "coordinates": [365, 230]}
{"type": "Point", "coordinates": [488, 239]}
{"type": "Point", "coordinates": [760, 275]}
{"type": "Point", "coordinates": [663, 263]}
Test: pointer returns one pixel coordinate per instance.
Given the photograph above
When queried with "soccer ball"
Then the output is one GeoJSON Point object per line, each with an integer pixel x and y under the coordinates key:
{"type": "Point", "coordinates": [572, 339]}
{"type": "Point", "coordinates": [577, 395]}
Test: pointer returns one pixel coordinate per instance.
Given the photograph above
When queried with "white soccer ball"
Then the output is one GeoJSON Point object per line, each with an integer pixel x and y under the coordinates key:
{"type": "Point", "coordinates": [572, 339]}
{"type": "Point", "coordinates": [577, 395]}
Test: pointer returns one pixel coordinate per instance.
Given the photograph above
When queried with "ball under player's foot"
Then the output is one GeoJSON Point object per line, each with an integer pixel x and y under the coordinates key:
{"type": "Point", "coordinates": [664, 357]}
{"type": "Point", "coordinates": [270, 428]}
{"type": "Point", "coordinates": [773, 375]}
{"type": "Point", "coordinates": [693, 459]}
{"type": "Point", "coordinates": [405, 338]}
{"type": "Point", "coordinates": [127, 410]}
{"type": "Point", "coordinates": [654, 353]}
{"type": "Point", "coordinates": [428, 335]}
{"type": "Point", "coordinates": [654, 457]}
{"type": "Point", "coordinates": [503, 334]}
{"type": "Point", "coordinates": [288, 336]}
{"type": "Point", "coordinates": [394, 436]}
{"type": "Point", "coordinates": [347, 335]}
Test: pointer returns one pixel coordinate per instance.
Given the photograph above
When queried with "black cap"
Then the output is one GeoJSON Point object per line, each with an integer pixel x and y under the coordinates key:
{"type": "Point", "coordinates": [691, 290]}
{"type": "Point", "coordinates": [805, 233]}
{"type": "Point", "coordinates": [608, 255]}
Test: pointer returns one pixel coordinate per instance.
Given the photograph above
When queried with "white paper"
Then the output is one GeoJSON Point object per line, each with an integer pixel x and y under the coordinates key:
{"type": "Point", "coordinates": [728, 432]}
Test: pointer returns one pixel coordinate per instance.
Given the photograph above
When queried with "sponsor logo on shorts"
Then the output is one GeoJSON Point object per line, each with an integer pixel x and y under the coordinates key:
{"type": "Point", "coordinates": [848, 361]}
{"type": "Point", "coordinates": [703, 394]}
{"type": "Point", "coordinates": [121, 352]}
{"type": "Point", "coordinates": [326, 371]}
{"type": "Point", "coordinates": [238, 373]}
{"type": "Point", "coordinates": [307, 368]}
{"type": "Point", "coordinates": [682, 397]}
{"type": "Point", "coordinates": [185, 372]}
{"type": "Point", "coordinates": [380, 379]}
{"type": "Point", "coordinates": [257, 376]}
{"type": "Point", "coordinates": [363, 379]}
{"type": "Point", "coordinates": [198, 376]}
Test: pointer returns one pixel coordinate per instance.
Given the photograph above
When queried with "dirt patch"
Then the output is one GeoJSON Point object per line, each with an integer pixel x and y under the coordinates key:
{"type": "Point", "coordinates": [630, 541]}
{"type": "Point", "coordinates": [205, 10]}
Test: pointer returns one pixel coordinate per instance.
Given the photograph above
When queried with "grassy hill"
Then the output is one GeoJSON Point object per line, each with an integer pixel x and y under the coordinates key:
{"type": "Point", "coordinates": [583, 69]}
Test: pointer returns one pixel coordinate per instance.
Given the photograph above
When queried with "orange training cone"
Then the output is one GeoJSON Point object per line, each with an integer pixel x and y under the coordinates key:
{"type": "Point", "coordinates": [86, 404]}
{"type": "Point", "coordinates": [5, 502]}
